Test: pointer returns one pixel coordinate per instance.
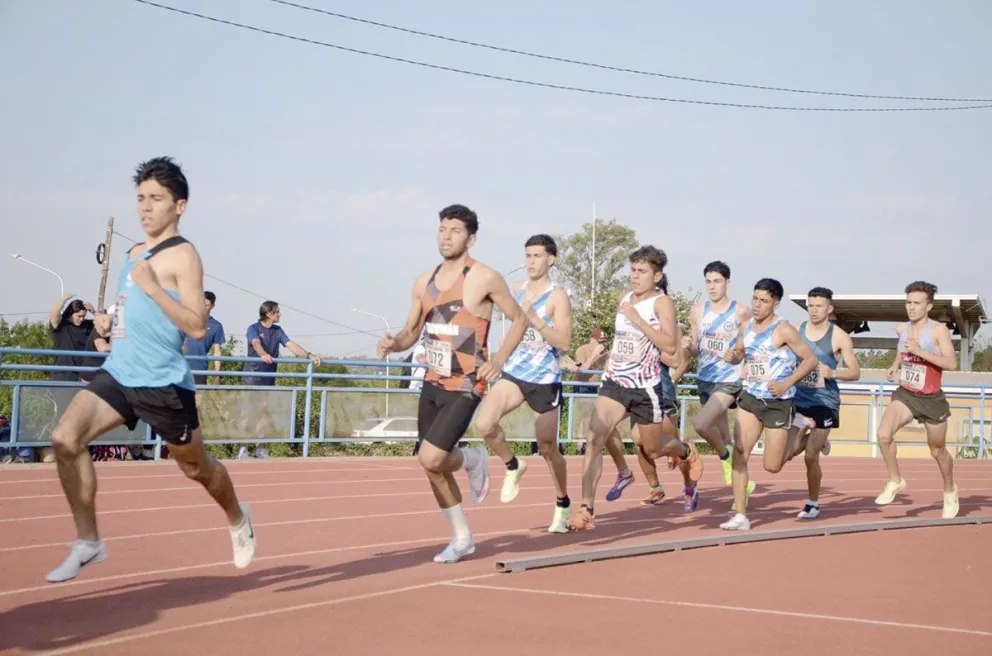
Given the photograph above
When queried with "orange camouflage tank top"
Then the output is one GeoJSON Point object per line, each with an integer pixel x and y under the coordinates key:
{"type": "Point", "coordinates": [456, 340]}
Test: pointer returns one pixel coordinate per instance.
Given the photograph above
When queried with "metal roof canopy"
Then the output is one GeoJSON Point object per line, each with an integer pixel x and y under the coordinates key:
{"type": "Point", "coordinates": [963, 314]}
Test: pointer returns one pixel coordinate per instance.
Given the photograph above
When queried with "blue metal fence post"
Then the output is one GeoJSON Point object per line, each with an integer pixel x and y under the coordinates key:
{"type": "Point", "coordinates": [15, 418]}
{"type": "Point", "coordinates": [306, 411]}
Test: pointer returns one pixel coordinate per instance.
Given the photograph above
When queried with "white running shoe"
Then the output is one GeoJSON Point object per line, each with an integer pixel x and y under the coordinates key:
{"type": "Point", "coordinates": [243, 540]}
{"type": "Point", "coordinates": [560, 523]}
{"type": "Point", "coordinates": [478, 477]}
{"type": "Point", "coordinates": [737, 523]}
{"type": "Point", "coordinates": [82, 553]}
{"type": "Point", "coordinates": [889, 492]}
{"type": "Point", "coordinates": [511, 484]}
{"type": "Point", "coordinates": [809, 511]}
{"type": "Point", "coordinates": [454, 552]}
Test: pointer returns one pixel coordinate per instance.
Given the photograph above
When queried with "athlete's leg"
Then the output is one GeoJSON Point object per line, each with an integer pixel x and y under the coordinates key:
{"type": "Point", "coordinates": [747, 431]}
{"type": "Point", "coordinates": [814, 475]}
{"type": "Point", "coordinates": [200, 466]}
{"type": "Point", "coordinates": [614, 446]}
{"type": "Point", "coordinates": [87, 418]}
{"type": "Point", "coordinates": [503, 398]}
{"type": "Point", "coordinates": [546, 432]}
{"type": "Point", "coordinates": [442, 419]}
{"type": "Point", "coordinates": [896, 415]}
{"type": "Point", "coordinates": [713, 425]}
{"type": "Point", "coordinates": [776, 449]}
{"type": "Point", "coordinates": [936, 440]}
{"type": "Point", "coordinates": [607, 413]}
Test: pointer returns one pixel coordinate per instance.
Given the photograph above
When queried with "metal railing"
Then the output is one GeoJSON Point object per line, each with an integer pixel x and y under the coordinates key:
{"type": "Point", "coordinates": [340, 402]}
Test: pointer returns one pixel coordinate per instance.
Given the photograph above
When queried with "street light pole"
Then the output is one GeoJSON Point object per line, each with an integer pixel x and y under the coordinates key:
{"type": "Point", "coordinates": [27, 261]}
{"type": "Point", "coordinates": [385, 321]}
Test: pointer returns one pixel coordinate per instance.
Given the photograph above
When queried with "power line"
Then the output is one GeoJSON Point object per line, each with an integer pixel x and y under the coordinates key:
{"type": "Point", "coordinates": [354, 331]}
{"type": "Point", "coordinates": [618, 69]}
{"type": "Point", "coordinates": [558, 87]}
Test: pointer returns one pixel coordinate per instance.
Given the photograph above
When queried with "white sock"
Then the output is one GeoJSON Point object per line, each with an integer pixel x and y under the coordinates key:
{"type": "Point", "coordinates": [810, 502]}
{"type": "Point", "coordinates": [472, 458]}
{"type": "Point", "coordinates": [459, 525]}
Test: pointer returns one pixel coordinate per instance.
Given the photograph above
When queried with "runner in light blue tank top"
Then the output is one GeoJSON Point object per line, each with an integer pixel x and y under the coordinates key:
{"type": "Point", "coordinates": [775, 358]}
{"type": "Point", "coordinates": [765, 363]}
{"type": "Point", "coordinates": [147, 347]}
{"type": "Point", "coordinates": [535, 360]}
{"type": "Point", "coordinates": [531, 376]}
{"type": "Point", "coordinates": [717, 333]}
{"type": "Point", "coordinates": [146, 378]}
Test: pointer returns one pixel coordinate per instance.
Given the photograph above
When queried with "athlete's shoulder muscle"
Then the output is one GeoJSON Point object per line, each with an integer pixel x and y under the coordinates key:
{"type": "Point", "coordinates": [743, 313]}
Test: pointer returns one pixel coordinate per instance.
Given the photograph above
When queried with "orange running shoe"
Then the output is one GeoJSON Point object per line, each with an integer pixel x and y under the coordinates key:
{"type": "Point", "coordinates": [694, 463]}
{"type": "Point", "coordinates": [654, 498]}
{"type": "Point", "coordinates": [581, 520]}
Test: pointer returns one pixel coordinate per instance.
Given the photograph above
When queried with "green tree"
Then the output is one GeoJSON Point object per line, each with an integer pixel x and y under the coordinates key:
{"type": "Point", "coordinates": [875, 359]}
{"type": "Point", "coordinates": [28, 335]}
{"type": "Point", "coordinates": [577, 262]}
{"type": "Point", "coordinates": [983, 358]}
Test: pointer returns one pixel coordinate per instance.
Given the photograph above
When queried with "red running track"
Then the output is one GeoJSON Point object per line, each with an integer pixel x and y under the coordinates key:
{"type": "Point", "coordinates": [344, 566]}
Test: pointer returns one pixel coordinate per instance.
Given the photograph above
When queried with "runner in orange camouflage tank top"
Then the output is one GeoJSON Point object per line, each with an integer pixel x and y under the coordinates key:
{"type": "Point", "coordinates": [453, 305]}
{"type": "Point", "coordinates": [455, 339]}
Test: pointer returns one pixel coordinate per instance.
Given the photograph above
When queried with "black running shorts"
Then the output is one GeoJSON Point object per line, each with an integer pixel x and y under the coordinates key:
{"type": "Point", "coordinates": [541, 397]}
{"type": "Point", "coordinates": [169, 410]}
{"type": "Point", "coordinates": [444, 416]}
{"type": "Point", "coordinates": [645, 406]}
{"type": "Point", "coordinates": [825, 417]}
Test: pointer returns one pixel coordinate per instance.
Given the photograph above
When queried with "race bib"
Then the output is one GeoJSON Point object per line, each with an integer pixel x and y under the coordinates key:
{"type": "Point", "coordinates": [758, 370]}
{"type": "Point", "coordinates": [626, 348]}
{"type": "Point", "coordinates": [438, 357]}
{"type": "Point", "coordinates": [813, 379]}
{"type": "Point", "coordinates": [715, 344]}
{"type": "Point", "coordinates": [533, 339]}
{"type": "Point", "coordinates": [117, 318]}
{"type": "Point", "coordinates": [913, 376]}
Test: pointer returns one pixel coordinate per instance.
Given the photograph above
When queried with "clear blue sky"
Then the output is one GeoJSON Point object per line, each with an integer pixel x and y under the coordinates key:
{"type": "Point", "coordinates": [316, 175]}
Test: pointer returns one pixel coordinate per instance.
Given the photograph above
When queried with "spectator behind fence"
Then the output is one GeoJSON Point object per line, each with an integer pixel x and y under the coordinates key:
{"type": "Point", "coordinates": [264, 339]}
{"type": "Point", "coordinates": [211, 344]}
{"type": "Point", "coordinates": [70, 332]}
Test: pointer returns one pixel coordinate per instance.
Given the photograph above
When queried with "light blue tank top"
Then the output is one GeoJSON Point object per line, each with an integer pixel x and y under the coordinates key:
{"type": "Point", "coordinates": [764, 363]}
{"type": "Point", "coordinates": [717, 333]}
{"type": "Point", "coordinates": [814, 390]}
{"type": "Point", "coordinates": [535, 360]}
{"type": "Point", "coordinates": [146, 348]}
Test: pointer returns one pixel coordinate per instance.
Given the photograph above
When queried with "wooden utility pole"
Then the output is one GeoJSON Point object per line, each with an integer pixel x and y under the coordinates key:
{"type": "Point", "coordinates": [103, 258]}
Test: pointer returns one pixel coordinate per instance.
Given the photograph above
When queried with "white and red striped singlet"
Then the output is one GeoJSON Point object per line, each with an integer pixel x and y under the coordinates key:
{"type": "Point", "coordinates": [635, 362]}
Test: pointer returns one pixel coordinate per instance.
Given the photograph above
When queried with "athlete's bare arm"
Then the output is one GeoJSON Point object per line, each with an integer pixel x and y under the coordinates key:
{"type": "Point", "coordinates": [843, 343]}
{"type": "Point", "coordinates": [410, 332]}
{"type": "Point", "coordinates": [893, 371]}
{"type": "Point", "coordinates": [942, 338]}
{"type": "Point", "coordinates": [743, 313]}
{"type": "Point", "coordinates": [498, 292]}
{"type": "Point", "coordinates": [183, 264]}
{"type": "Point", "coordinates": [735, 354]}
{"type": "Point", "coordinates": [560, 314]}
{"type": "Point", "coordinates": [689, 341]}
{"type": "Point", "coordinates": [679, 363]}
